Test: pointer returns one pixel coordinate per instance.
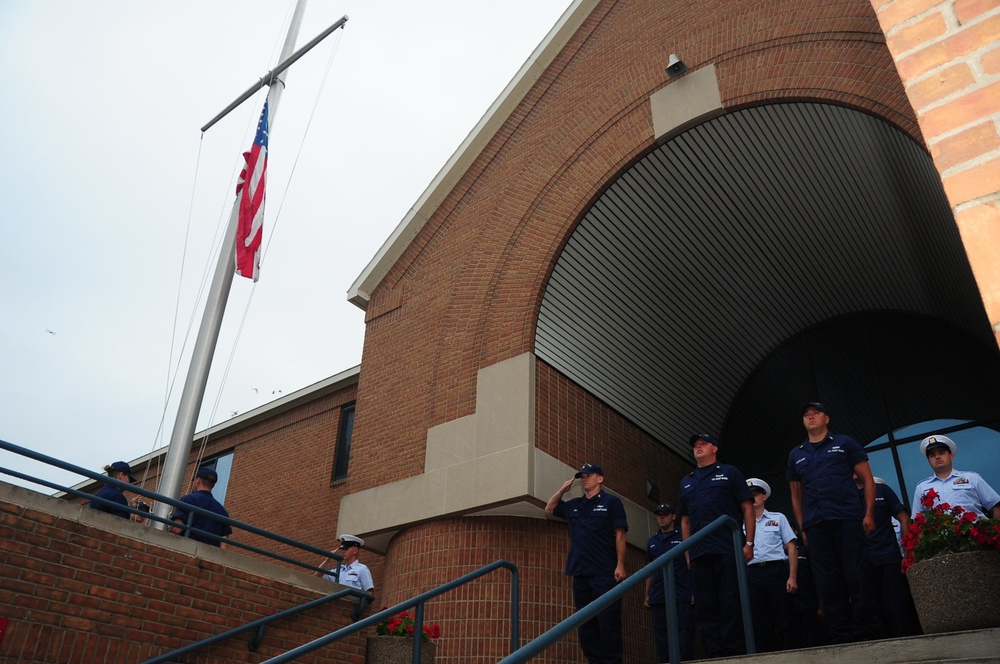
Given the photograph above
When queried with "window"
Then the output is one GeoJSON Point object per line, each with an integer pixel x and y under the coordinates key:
{"type": "Point", "coordinates": [977, 451]}
{"type": "Point", "coordinates": [343, 454]}
{"type": "Point", "coordinates": [223, 465]}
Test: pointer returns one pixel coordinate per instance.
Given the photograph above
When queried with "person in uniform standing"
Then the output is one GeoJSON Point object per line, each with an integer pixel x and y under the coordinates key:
{"type": "Point", "coordinates": [353, 572]}
{"type": "Point", "coordinates": [203, 528]}
{"type": "Point", "coordinates": [714, 489]}
{"type": "Point", "coordinates": [119, 470]}
{"type": "Point", "coordinates": [955, 487]}
{"type": "Point", "coordinates": [834, 520]}
{"type": "Point", "coordinates": [887, 589]}
{"type": "Point", "coordinates": [667, 536]}
{"type": "Point", "coordinates": [772, 573]}
{"type": "Point", "coordinates": [596, 560]}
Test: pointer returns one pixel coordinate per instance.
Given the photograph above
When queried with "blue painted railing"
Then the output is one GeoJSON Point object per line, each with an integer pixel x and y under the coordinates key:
{"type": "Point", "coordinates": [191, 509]}
{"type": "Point", "coordinates": [256, 639]}
{"type": "Point", "coordinates": [418, 602]}
{"type": "Point", "coordinates": [663, 564]}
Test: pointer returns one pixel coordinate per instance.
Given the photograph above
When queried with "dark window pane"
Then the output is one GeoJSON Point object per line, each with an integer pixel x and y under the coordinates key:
{"type": "Point", "coordinates": [343, 454]}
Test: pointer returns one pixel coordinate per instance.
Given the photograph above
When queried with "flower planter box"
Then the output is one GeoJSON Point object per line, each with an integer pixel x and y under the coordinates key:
{"type": "Point", "coordinates": [957, 592]}
{"type": "Point", "coordinates": [397, 650]}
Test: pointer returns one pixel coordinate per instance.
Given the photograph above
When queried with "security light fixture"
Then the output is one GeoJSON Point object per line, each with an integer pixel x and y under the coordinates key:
{"type": "Point", "coordinates": [675, 65]}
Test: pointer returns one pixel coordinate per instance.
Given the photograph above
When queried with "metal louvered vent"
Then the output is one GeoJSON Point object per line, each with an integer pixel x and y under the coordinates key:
{"type": "Point", "coordinates": [732, 238]}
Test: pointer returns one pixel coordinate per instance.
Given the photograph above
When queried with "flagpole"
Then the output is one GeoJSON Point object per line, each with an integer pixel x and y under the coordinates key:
{"type": "Point", "coordinates": [208, 333]}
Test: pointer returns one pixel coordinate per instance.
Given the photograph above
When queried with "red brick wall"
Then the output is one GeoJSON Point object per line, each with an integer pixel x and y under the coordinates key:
{"type": "Point", "coordinates": [948, 55]}
{"type": "Point", "coordinates": [466, 292]}
{"type": "Point", "coordinates": [475, 619]}
{"type": "Point", "coordinates": [77, 593]}
{"type": "Point", "coordinates": [575, 427]}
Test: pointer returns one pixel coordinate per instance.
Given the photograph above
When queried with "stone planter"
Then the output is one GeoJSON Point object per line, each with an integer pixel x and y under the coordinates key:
{"type": "Point", "coordinates": [957, 592]}
{"type": "Point", "coordinates": [397, 650]}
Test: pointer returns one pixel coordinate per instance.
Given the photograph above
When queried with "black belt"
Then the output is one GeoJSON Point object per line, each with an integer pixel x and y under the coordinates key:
{"type": "Point", "coordinates": [765, 563]}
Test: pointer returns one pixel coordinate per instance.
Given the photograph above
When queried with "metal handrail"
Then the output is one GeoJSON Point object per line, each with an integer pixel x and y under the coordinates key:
{"type": "Point", "coordinates": [663, 562]}
{"type": "Point", "coordinates": [191, 509]}
{"type": "Point", "coordinates": [261, 623]}
{"type": "Point", "coordinates": [418, 602]}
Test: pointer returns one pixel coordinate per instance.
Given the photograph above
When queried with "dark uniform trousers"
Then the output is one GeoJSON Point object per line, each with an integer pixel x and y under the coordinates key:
{"type": "Point", "coordinates": [601, 636]}
{"type": "Point", "coordinates": [685, 628]}
{"type": "Point", "coordinates": [835, 555]}
{"type": "Point", "coordinates": [769, 602]}
{"type": "Point", "coordinates": [717, 604]}
{"type": "Point", "coordinates": [892, 603]}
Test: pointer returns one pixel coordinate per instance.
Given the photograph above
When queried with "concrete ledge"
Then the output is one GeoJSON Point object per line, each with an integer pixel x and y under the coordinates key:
{"type": "Point", "coordinates": [481, 464]}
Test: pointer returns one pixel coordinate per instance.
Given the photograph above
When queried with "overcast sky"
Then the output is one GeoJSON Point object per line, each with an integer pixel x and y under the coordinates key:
{"type": "Point", "coordinates": [108, 189]}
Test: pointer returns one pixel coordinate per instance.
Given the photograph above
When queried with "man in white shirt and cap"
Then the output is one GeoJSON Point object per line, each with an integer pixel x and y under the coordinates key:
{"type": "Point", "coordinates": [353, 573]}
{"type": "Point", "coordinates": [955, 487]}
{"type": "Point", "coordinates": [771, 574]}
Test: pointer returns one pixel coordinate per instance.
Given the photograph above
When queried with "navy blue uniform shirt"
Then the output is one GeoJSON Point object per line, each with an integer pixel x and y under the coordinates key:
{"type": "Point", "coordinates": [659, 544]}
{"type": "Point", "coordinates": [881, 547]}
{"type": "Point", "coordinates": [592, 523]}
{"type": "Point", "coordinates": [708, 493]}
{"type": "Point", "coordinates": [204, 500]}
{"type": "Point", "coordinates": [826, 471]}
{"type": "Point", "coordinates": [113, 493]}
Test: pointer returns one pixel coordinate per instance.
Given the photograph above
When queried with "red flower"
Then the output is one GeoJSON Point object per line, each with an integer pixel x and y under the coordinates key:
{"type": "Point", "coordinates": [404, 624]}
{"type": "Point", "coordinates": [942, 529]}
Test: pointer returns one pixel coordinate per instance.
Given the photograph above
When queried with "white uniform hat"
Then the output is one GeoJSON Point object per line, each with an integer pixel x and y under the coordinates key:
{"type": "Point", "coordinates": [760, 484]}
{"type": "Point", "coordinates": [351, 539]}
{"type": "Point", "coordinates": [936, 441]}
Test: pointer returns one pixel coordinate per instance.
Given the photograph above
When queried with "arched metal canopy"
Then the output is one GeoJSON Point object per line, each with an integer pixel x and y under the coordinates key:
{"type": "Point", "coordinates": [732, 238]}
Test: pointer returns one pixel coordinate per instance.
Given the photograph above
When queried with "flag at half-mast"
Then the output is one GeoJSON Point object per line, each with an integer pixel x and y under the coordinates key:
{"type": "Point", "coordinates": [250, 192]}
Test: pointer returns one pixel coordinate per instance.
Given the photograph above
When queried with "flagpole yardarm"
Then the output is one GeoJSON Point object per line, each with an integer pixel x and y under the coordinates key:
{"type": "Point", "coordinates": [271, 76]}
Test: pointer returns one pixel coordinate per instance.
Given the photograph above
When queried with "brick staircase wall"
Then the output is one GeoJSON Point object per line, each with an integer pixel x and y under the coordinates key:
{"type": "Point", "coordinates": [79, 586]}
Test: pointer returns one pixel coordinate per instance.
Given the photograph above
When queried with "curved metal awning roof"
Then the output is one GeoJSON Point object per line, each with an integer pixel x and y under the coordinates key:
{"type": "Point", "coordinates": [732, 238]}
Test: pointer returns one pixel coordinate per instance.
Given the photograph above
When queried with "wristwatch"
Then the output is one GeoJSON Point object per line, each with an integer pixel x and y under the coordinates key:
{"type": "Point", "coordinates": [750, 544]}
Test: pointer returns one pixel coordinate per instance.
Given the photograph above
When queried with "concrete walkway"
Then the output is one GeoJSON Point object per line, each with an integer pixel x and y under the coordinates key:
{"type": "Point", "coordinates": [975, 647]}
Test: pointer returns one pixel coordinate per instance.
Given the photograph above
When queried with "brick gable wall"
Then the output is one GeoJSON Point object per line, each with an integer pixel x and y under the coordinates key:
{"type": "Point", "coordinates": [466, 292]}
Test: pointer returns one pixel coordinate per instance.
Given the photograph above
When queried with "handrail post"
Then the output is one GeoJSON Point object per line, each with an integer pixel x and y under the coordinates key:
{"type": "Point", "coordinates": [670, 600]}
{"type": "Point", "coordinates": [741, 577]}
{"type": "Point", "coordinates": [418, 634]}
{"type": "Point", "coordinates": [515, 609]}
{"type": "Point", "coordinates": [255, 639]}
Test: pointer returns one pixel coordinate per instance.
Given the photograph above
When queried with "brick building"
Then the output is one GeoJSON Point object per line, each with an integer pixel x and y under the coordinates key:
{"type": "Point", "coordinates": [619, 255]}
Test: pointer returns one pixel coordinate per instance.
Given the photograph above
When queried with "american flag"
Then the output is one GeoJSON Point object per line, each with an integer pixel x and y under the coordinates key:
{"type": "Point", "coordinates": [250, 192]}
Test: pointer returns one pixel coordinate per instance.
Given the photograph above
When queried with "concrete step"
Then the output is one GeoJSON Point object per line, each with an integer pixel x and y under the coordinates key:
{"type": "Point", "coordinates": [981, 646]}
